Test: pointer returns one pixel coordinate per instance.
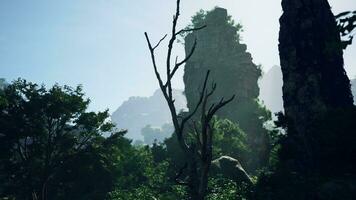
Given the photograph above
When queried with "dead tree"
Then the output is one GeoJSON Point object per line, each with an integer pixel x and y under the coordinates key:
{"type": "Point", "coordinates": [198, 154]}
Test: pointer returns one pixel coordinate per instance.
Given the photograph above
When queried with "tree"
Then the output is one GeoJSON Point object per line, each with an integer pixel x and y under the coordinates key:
{"type": "Point", "coordinates": [2, 83]}
{"type": "Point", "coordinates": [346, 24]}
{"type": "Point", "coordinates": [156, 134]}
{"type": "Point", "coordinates": [198, 152]}
{"type": "Point", "coordinates": [51, 148]}
{"type": "Point", "coordinates": [228, 140]}
{"type": "Point", "coordinates": [146, 177]}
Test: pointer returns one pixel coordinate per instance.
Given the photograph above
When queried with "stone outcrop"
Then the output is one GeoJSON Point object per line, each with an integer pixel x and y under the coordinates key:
{"type": "Point", "coordinates": [316, 157]}
{"type": "Point", "coordinates": [230, 168]}
{"type": "Point", "coordinates": [311, 60]}
{"type": "Point", "coordinates": [220, 51]}
{"type": "Point", "coordinates": [138, 112]}
{"type": "Point", "coordinates": [313, 68]}
{"type": "Point", "coordinates": [271, 89]}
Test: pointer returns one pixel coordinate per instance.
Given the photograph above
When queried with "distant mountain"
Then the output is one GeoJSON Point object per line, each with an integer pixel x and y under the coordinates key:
{"type": "Point", "coordinates": [156, 134]}
{"type": "Point", "coordinates": [271, 89]}
{"type": "Point", "coordinates": [138, 112]}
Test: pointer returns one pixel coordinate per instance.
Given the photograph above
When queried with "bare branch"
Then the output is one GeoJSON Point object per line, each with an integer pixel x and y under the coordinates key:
{"type": "Point", "coordinates": [178, 64]}
{"type": "Point", "coordinates": [213, 88]}
{"type": "Point", "coordinates": [159, 42]}
{"type": "Point", "coordinates": [190, 30]}
{"type": "Point", "coordinates": [158, 76]}
{"type": "Point", "coordinates": [196, 132]}
{"type": "Point", "coordinates": [176, 60]}
{"type": "Point", "coordinates": [170, 48]}
{"type": "Point", "coordinates": [203, 134]}
{"type": "Point", "coordinates": [199, 102]}
{"type": "Point", "coordinates": [211, 107]}
{"type": "Point", "coordinates": [221, 104]}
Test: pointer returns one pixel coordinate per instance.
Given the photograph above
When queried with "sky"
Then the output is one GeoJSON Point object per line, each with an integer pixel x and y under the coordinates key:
{"type": "Point", "coordinates": [100, 43]}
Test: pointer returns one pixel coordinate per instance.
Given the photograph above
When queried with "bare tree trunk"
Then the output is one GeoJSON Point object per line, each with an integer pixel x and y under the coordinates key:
{"type": "Point", "coordinates": [193, 179]}
{"type": "Point", "coordinates": [199, 152]}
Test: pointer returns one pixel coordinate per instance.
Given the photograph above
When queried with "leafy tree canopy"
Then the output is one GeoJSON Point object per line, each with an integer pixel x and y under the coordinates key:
{"type": "Point", "coordinates": [52, 148]}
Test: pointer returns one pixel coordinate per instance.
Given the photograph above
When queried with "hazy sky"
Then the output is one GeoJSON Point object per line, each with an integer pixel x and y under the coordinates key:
{"type": "Point", "coordinates": [100, 43]}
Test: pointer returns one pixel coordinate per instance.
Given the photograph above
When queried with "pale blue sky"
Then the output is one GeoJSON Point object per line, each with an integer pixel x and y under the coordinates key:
{"type": "Point", "coordinates": [100, 43]}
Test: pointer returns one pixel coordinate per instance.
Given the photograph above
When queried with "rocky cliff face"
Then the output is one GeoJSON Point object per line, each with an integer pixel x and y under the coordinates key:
{"type": "Point", "coordinates": [220, 51]}
{"type": "Point", "coordinates": [312, 63]}
{"type": "Point", "coordinates": [271, 84]}
{"type": "Point", "coordinates": [316, 156]}
{"type": "Point", "coordinates": [138, 112]}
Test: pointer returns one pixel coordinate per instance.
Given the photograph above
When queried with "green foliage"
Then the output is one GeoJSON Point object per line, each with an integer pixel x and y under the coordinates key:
{"type": "Point", "coordinates": [222, 189]}
{"type": "Point", "coordinates": [199, 19]}
{"type": "Point", "coordinates": [152, 134]}
{"type": "Point", "coordinates": [225, 189]}
{"type": "Point", "coordinates": [52, 148]}
{"type": "Point", "coordinates": [2, 83]}
{"type": "Point", "coordinates": [154, 181]}
{"type": "Point", "coordinates": [346, 24]}
{"type": "Point", "coordinates": [146, 193]}
{"type": "Point", "coordinates": [229, 140]}
{"type": "Point", "coordinates": [142, 192]}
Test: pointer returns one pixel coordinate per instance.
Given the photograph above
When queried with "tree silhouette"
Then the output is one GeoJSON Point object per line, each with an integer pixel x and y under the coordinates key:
{"type": "Point", "coordinates": [197, 151]}
{"type": "Point", "coordinates": [346, 24]}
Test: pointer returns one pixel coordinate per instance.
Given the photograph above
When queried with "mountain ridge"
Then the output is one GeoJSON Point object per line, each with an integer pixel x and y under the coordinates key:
{"type": "Point", "coordinates": [137, 112]}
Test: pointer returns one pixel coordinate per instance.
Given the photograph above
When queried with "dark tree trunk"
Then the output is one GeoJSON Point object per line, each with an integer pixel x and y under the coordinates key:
{"type": "Point", "coordinates": [193, 180]}
{"type": "Point", "coordinates": [198, 174]}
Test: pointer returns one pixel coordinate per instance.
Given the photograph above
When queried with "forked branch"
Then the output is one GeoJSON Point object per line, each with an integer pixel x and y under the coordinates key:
{"type": "Point", "coordinates": [178, 64]}
{"type": "Point", "coordinates": [190, 30]}
{"type": "Point", "coordinates": [198, 157]}
{"type": "Point", "coordinates": [153, 58]}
